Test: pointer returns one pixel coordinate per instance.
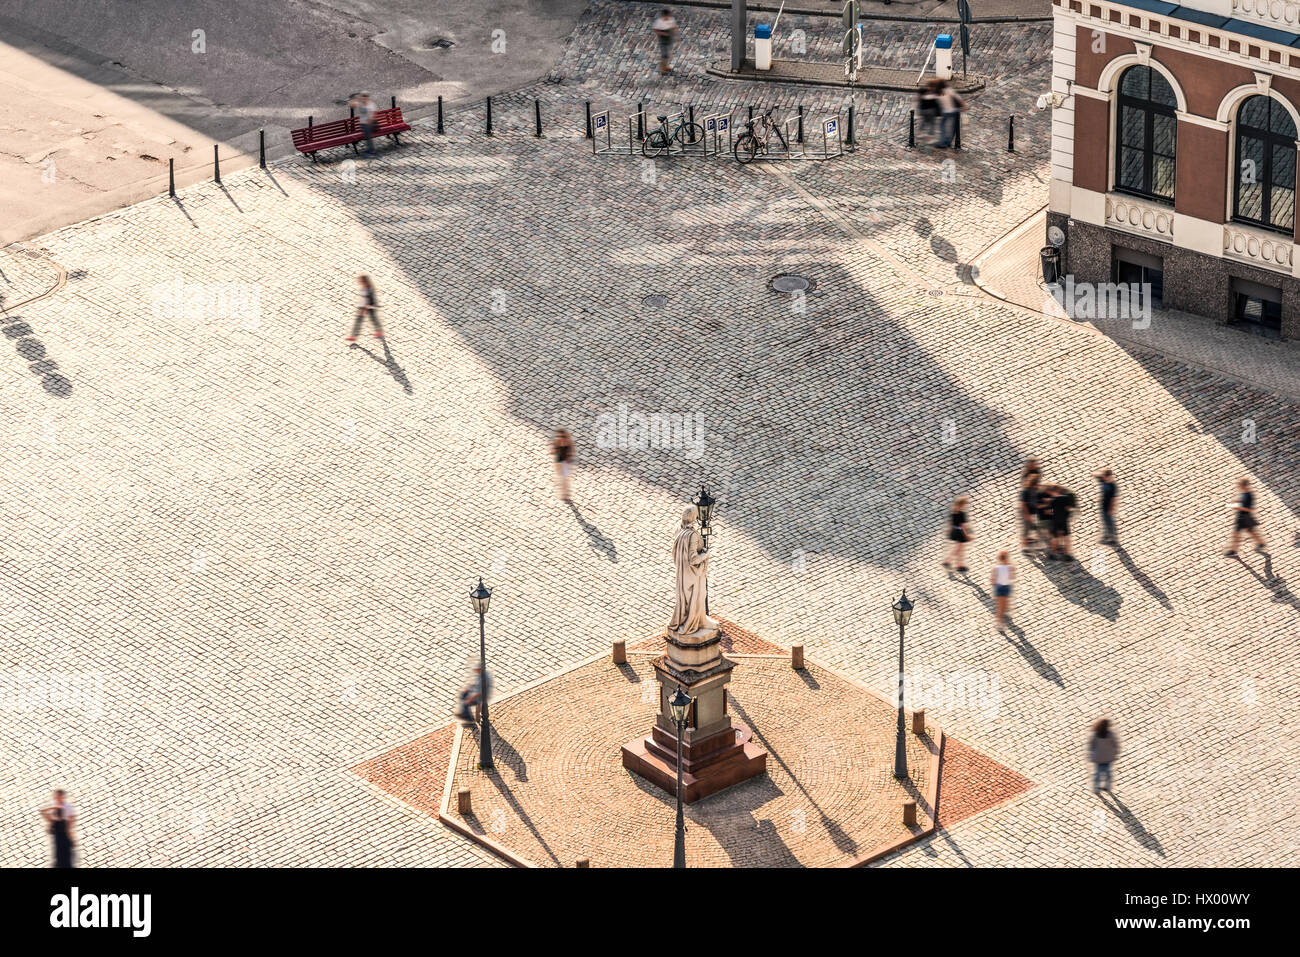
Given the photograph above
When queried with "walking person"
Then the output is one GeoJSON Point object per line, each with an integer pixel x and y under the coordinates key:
{"type": "Point", "coordinates": [1004, 573]}
{"type": "Point", "coordinates": [665, 28]}
{"type": "Point", "coordinates": [1062, 502]}
{"type": "Point", "coordinates": [1103, 749]}
{"type": "Point", "coordinates": [1109, 491]}
{"type": "Point", "coordinates": [951, 106]}
{"type": "Point", "coordinates": [562, 448]}
{"type": "Point", "coordinates": [959, 533]}
{"type": "Point", "coordinates": [927, 104]}
{"type": "Point", "coordinates": [477, 690]}
{"type": "Point", "coordinates": [1244, 510]}
{"type": "Point", "coordinates": [367, 308]}
{"type": "Point", "coordinates": [61, 817]}
{"type": "Point", "coordinates": [1029, 495]}
{"type": "Point", "coordinates": [365, 108]}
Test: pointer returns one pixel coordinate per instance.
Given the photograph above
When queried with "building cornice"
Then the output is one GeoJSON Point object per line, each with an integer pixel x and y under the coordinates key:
{"type": "Point", "coordinates": [1142, 26]}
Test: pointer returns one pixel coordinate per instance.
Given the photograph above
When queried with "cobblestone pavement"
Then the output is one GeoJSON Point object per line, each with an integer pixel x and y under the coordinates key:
{"type": "Point", "coordinates": [239, 554]}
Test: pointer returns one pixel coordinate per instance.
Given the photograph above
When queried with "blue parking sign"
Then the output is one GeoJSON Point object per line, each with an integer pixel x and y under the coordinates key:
{"type": "Point", "coordinates": [722, 123]}
{"type": "Point", "coordinates": [600, 122]}
{"type": "Point", "coordinates": [712, 125]}
{"type": "Point", "coordinates": [831, 126]}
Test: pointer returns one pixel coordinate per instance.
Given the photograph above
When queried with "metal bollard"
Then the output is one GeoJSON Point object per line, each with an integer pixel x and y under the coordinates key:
{"type": "Point", "coordinates": [352, 112]}
{"type": "Point", "coordinates": [690, 114]}
{"type": "Point", "coordinates": [800, 137]}
{"type": "Point", "coordinates": [261, 148]}
{"type": "Point", "coordinates": [911, 129]}
{"type": "Point", "coordinates": [1011, 134]}
{"type": "Point", "coordinates": [640, 121]}
{"type": "Point", "coordinates": [171, 176]}
{"type": "Point", "coordinates": [489, 116]}
{"type": "Point", "coordinates": [589, 119]}
{"type": "Point", "coordinates": [309, 124]}
{"type": "Point", "coordinates": [956, 142]}
{"type": "Point", "coordinates": [392, 102]}
{"type": "Point", "coordinates": [216, 164]}
{"type": "Point", "coordinates": [537, 110]}
{"type": "Point", "coordinates": [439, 114]}
{"type": "Point", "coordinates": [751, 113]}
{"type": "Point", "coordinates": [852, 142]}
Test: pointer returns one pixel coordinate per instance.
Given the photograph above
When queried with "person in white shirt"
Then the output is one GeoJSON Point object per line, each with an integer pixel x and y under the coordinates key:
{"type": "Point", "coordinates": [61, 816]}
{"type": "Point", "coordinates": [1004, 573]}
{"type": "Point", "coordinates": [665, 28]}
{"type": "Point", "coordinates": [365, 108]}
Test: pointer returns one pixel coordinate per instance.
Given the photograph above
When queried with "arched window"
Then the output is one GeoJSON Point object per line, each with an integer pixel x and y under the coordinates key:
{"type": "Point", "coordinates": [1146, 133]}
{"type": "Point", "coordinates": [1265, 180]}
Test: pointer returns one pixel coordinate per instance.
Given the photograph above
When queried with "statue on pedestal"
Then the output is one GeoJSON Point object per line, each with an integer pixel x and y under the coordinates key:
{"type": "Point", "coordinates": [690, 622]}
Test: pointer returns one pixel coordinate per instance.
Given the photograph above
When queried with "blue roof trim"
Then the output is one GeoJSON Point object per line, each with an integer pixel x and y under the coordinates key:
{"type": "Point", "coordinates": [1243, 27]}
{"type": "Point", "coordinates": [1152, 6]}
{"type": "Point", "coordinates": [1259, 32]}
{"type": "Point", "coordinates": [1200, 16]}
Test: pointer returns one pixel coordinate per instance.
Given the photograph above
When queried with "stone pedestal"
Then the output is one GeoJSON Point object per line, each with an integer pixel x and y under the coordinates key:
{"type": "Point", "coordinates": [717, 750]}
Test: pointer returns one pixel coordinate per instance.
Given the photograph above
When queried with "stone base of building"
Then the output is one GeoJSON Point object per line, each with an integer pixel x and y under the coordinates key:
{"type": "Point", "coordinates": [1193, 282]}
{"type": "Point", "coordinates": [708, 764]}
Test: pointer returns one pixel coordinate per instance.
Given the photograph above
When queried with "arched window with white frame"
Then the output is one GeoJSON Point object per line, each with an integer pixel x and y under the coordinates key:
{"type": "Point", "coordinates": [1146, 134]}
{"type": "Point", "coordinates": [1264, 182]}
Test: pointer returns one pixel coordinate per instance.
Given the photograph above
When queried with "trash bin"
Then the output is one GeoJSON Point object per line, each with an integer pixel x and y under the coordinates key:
{"type": "Point", "coordinates": [763, 46]}
{"type": "Point", "coordinates": [1051, 259]}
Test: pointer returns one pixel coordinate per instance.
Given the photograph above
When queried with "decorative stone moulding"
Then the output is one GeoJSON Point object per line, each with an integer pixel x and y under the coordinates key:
{"type": "Point", "coordinates": [1273, 12]}
{"type": "Point", "coordinates": [1138, 217]}
{"type": "Point", "coordinates": [1257, 248]}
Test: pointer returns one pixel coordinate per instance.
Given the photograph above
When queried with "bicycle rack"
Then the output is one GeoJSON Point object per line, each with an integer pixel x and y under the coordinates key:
{"type": "Point", "coordinates": [720, 136]}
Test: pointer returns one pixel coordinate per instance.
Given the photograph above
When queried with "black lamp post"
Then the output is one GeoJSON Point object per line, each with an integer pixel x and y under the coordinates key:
{"type": "Point", "coordinates": [679, 704]}
{"type": "Point", "coordinates": [704, 503]}
{"type": "Point", "coordinates": [480, 596]}
{"type": "Point", "coordinates": [902, 614]}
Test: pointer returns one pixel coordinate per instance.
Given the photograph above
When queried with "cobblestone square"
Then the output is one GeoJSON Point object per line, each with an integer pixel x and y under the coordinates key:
{"type": "Point", "coordinates": [239, 552]}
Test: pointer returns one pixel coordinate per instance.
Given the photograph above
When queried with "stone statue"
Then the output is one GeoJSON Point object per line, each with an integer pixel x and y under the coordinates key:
{"type": "Point", "coordinates": [689, 621]}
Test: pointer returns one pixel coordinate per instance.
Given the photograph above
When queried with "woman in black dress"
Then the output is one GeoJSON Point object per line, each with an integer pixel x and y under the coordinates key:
{"type": "Point", "coordinates": [959, 534]}
{"type": "Point", "coordinates": [562, 448]}
{"type": "Point", "coordinates": [60, 820]}
{"type": "Point", "coordinates": [1245, 521]}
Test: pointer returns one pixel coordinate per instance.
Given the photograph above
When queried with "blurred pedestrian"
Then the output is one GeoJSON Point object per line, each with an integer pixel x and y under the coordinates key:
{"type": "Point", "coordinates": [1060, 504]}
{"type": "Point", "coordinates": [927, 104]}
{"type": "Point", "coordinates": [665, 28]}
{"type": "Point", "coordinates": [1029, 495]}
{"type": "Point", "coordinates": [365, 108]}
{"type": "Point", "coordinates": [61, 818]}
{"type": "Point", "coordinates": [476, 691]}
{"type": "Point", "coordinates": [1245, 521]}
{"type": "Point", "coordinates": [951, 106]}
{"type": "Point", "coordinates": [1109, 492]}
{"type": "Point", "coordinates": [367, 308]}
{"type": "Point", "coordinates": [1103, 749]}
{"type": "Point", "coordinates": [1004, 573]}
{"type": "Point", "coordinates": [562, 448]}
{"type": "Point", "coordinates": [959, 534]}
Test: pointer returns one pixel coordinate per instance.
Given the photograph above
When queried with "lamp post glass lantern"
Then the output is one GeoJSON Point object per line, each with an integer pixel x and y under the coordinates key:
{"type": "Point", "coordinates": [480, 597]}
{"type": "Point", "coordinates": [704, 503]}
{"type": "Point", "coordinates": [678, 705]}
{"type": "Point", "coordinates": [902, 615]}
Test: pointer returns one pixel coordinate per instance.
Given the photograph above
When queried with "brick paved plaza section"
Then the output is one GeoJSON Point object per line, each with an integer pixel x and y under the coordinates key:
{"type": "Point", "coordinates": [238, 553]}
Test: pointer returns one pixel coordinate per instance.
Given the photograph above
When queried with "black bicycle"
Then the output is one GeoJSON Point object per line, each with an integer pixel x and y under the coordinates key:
{"type": "Point", "coordinates": [659, 141]}
{"type": "Point", "coordinates": [752, 142]}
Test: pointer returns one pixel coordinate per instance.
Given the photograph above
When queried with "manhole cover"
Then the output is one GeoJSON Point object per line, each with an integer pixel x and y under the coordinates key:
{"type": "Point", "coordinates": [439, 43]}
{"type": "Point", "coordinates": [937, 293]}
{"type": "Point", "coordinates": [655, 302]}
{"type": "Point", "coordinates": [791, 283]}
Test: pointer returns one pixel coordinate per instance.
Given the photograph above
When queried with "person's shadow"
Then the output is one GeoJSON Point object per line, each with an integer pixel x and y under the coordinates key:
{"type": "Point", "coordinates": [597, 540]}
{"type": "Point", "coordinates": [1142, 578]}
{"type": "Point", "coordinates": [1041, 666]}
{"type": "Point", "coordinates": [389, 363]}
{"type": "Point", "coordinates": [1076, 584]}
{"type": "Point", "coordinates": [1132, 824]}
{"type": "Point", "coordinates": [1278, 586]}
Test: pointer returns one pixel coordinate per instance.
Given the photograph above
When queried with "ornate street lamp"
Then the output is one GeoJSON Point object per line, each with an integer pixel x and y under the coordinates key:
{"type": "Point", "coordinates": [902, 615]}
{"type": "Point", "coordinates": [704, 503]}
{"type": "Point", "coordinates": [480, 596]}
{"type": "Point", "coordinates": [679, 704]}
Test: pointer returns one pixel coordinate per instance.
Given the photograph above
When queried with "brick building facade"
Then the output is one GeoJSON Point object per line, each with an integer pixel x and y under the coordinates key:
{"type": "Point", "coordinates": [1174, 153]}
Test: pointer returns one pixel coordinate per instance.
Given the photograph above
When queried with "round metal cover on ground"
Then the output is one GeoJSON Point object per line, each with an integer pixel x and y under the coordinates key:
{"type": "Point", "coordinates": [439, 43]}
{"type": "Point", "coordinates": [655, 302]}
{"type": "Point", "coordinates": [789, 282]}
{"type": "Point", "coordinates": [936, 293]}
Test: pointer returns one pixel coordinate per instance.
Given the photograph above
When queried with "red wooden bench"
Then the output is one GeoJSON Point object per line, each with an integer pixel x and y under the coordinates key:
{"type": "Point", "coordinates": [311, 139]}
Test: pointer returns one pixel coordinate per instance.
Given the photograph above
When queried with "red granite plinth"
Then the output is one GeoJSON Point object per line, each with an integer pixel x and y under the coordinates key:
{"type": "Point", "coordinates": [708, 765]}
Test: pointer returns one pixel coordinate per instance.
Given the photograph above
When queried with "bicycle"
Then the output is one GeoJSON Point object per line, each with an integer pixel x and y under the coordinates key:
{"type": "Point", "coordinates": [750, 143]}
{"type": "Point", "coordinates": [660, 141]}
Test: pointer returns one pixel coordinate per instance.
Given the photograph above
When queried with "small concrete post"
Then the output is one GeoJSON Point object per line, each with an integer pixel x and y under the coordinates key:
{"type": "Point", "coordinates": [462, 802]}
{"type": "Point", "coordinates": [918, 721]}
{"type": "Point", "coordinates": [796, 657]}
{"type": "Point", "coordinates": [909, 814]}
{"type": "Point", "coordinates": [583, 862]}
{"type": "Point", "coordinates": [620, 652]}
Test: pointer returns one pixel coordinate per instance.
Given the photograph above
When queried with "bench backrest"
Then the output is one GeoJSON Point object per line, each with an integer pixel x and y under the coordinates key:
{"type": "Point", "coordinates": [324, 131]}
{"type": "Point", "coordinates": [389, 117]}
